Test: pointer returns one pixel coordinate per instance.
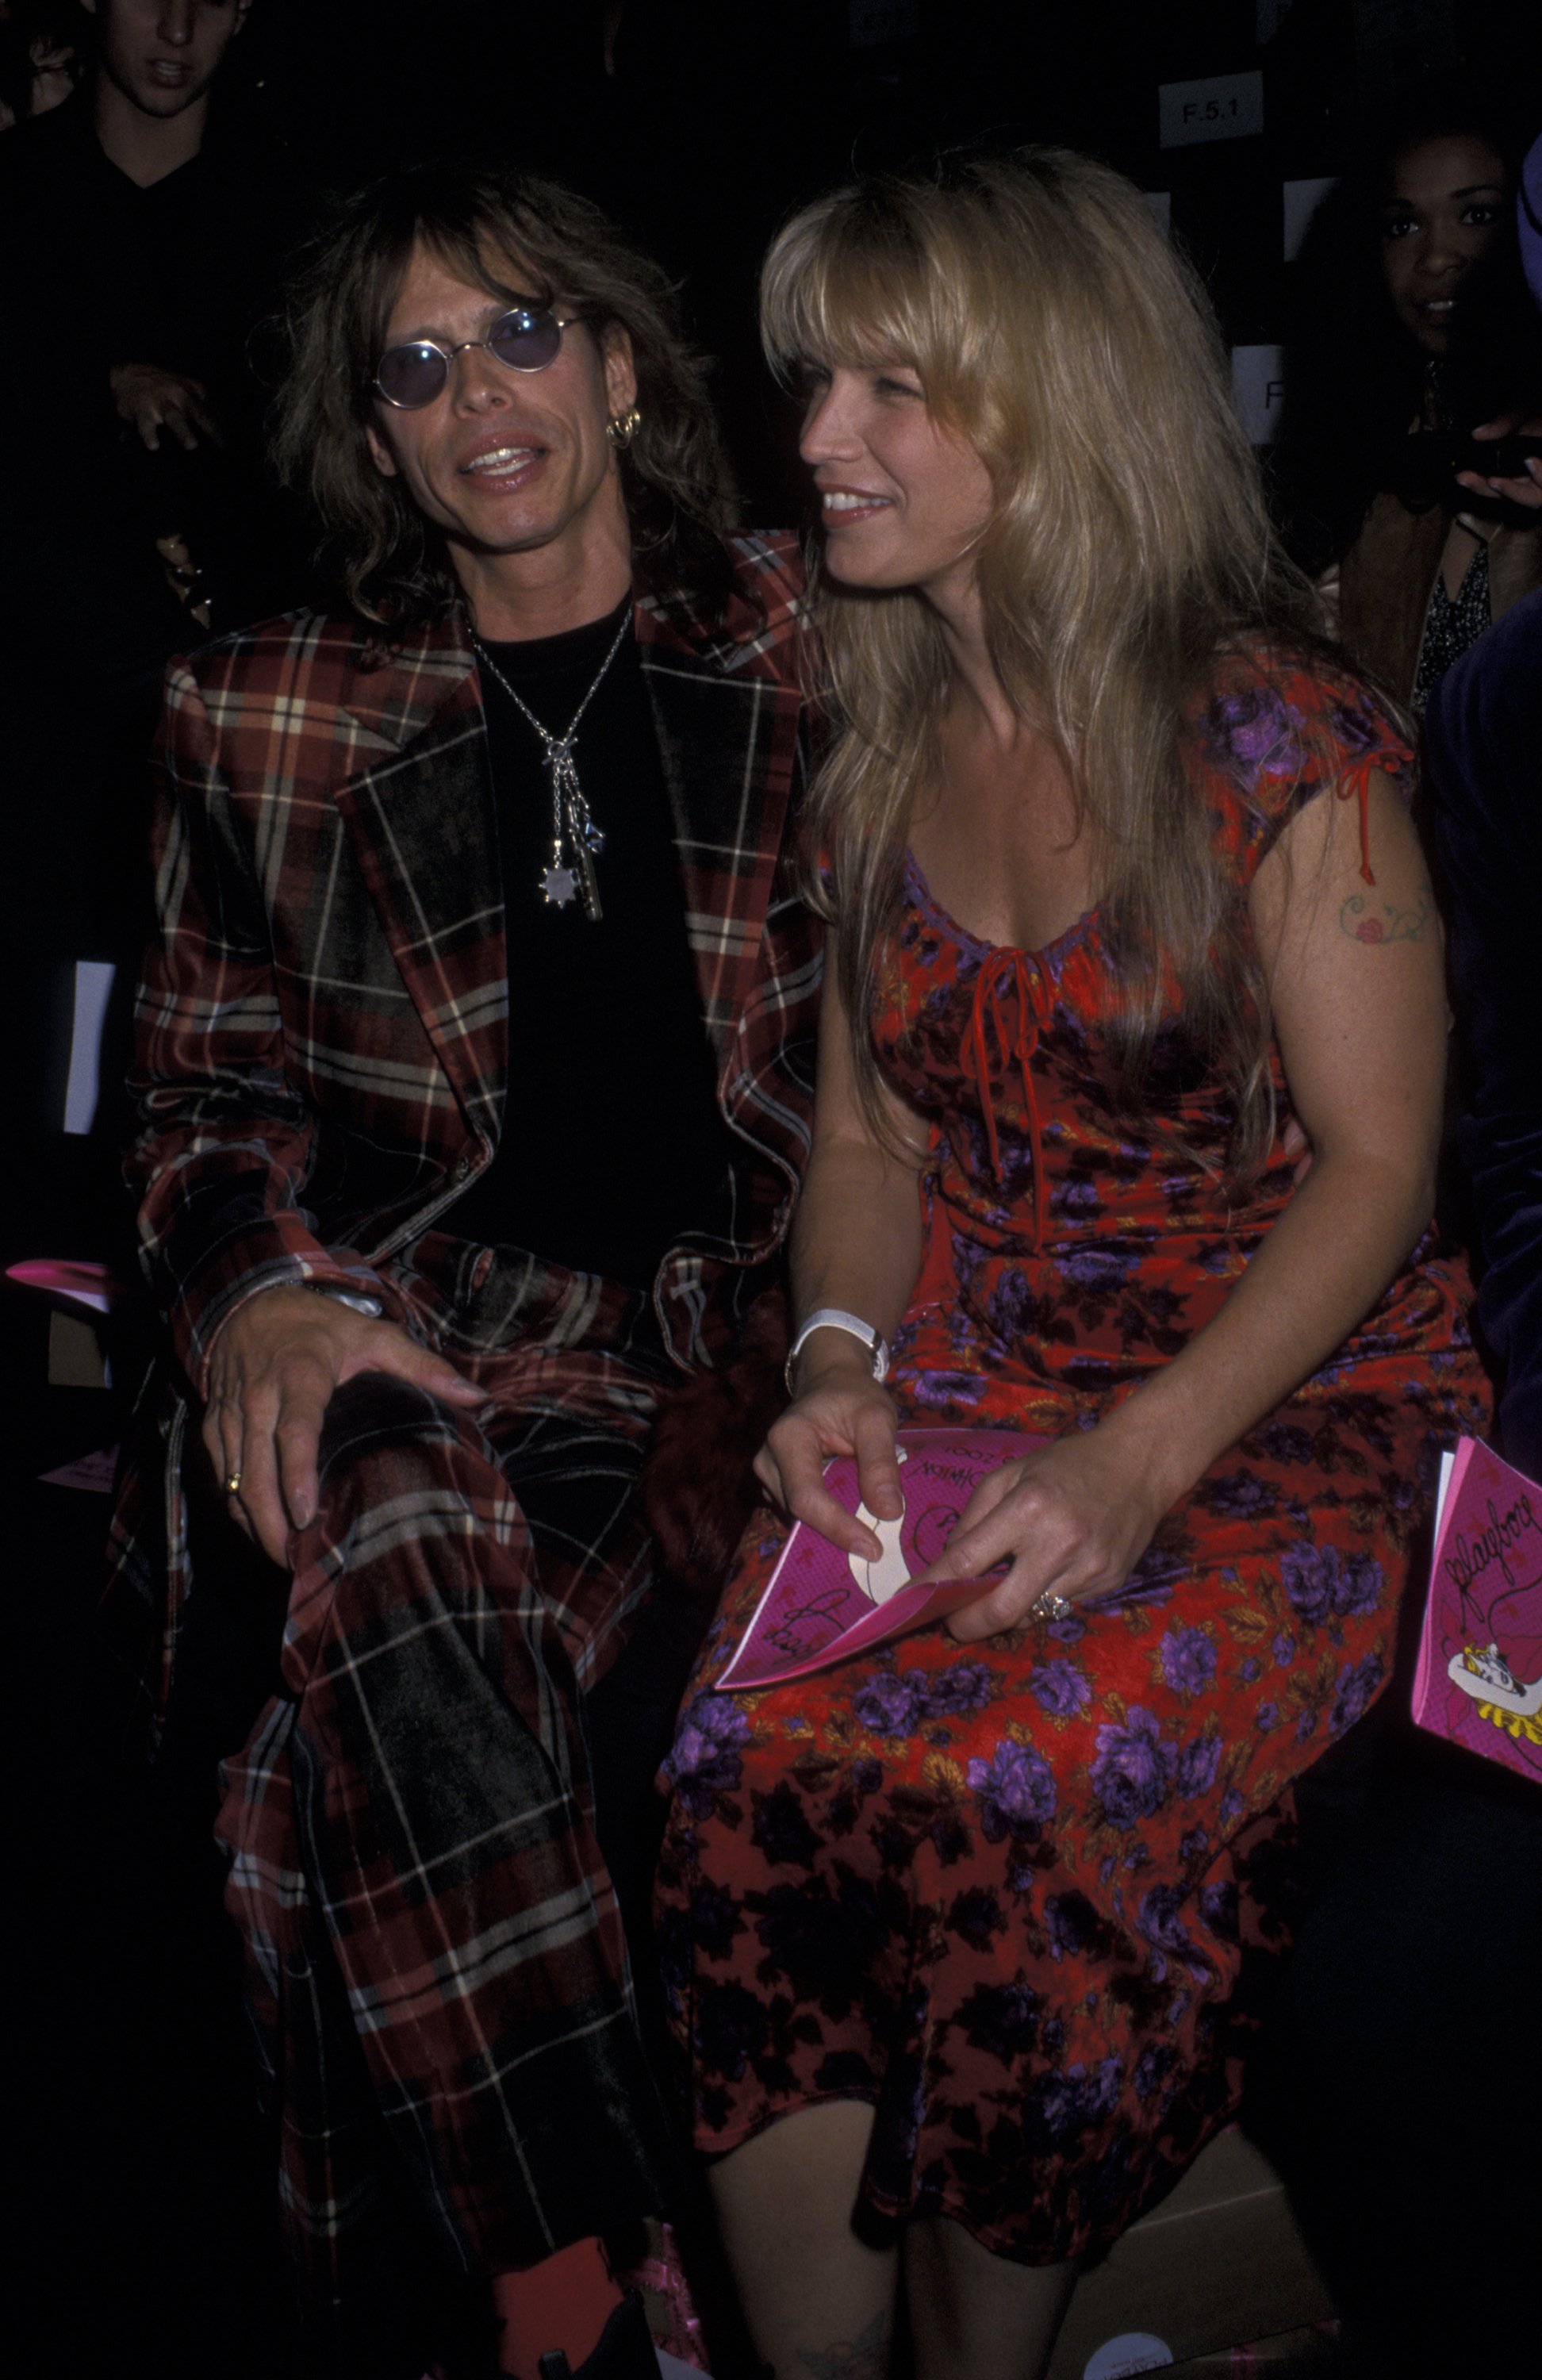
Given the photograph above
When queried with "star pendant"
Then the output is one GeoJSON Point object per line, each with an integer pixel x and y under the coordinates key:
{"type": "Point", "coordinates": [558, 886]}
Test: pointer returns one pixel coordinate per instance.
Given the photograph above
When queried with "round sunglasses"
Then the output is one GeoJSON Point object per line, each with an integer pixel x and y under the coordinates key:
{"type": "Point", "coordinates": [525, 339]}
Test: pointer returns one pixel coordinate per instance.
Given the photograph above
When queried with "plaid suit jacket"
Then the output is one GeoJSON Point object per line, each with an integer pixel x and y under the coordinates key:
{"type": "Point", "coordinates": [322, 1026]}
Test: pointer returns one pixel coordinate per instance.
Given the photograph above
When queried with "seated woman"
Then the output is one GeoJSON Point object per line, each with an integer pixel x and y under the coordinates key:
{"type": "Point", "coordinates": [1122, 882]}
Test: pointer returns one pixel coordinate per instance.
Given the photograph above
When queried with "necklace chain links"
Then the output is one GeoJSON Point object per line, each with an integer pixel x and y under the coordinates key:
{"type": "Point", "coordinates": [577, 842]}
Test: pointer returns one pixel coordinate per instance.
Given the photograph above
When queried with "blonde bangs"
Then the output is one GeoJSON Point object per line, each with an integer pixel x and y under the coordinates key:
{"type": "Point", "coordinates": [863, 289]}
{"type": "Point", "coordinates": [1052, 323]}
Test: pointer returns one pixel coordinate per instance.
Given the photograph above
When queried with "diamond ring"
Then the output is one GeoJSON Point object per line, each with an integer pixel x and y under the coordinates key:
{"type": "Point", "coordinates": [233, 1483]}
{"type": "Point", "coordinates": [1053, 1607]}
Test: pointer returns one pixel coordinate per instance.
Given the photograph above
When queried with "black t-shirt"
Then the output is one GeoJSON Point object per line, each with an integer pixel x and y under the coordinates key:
{"type": "Point", "coordinates": [612, 1143]}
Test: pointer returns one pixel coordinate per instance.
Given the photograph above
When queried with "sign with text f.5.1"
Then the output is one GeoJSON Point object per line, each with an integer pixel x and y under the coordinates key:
{"type": "Point", "coordinates": [1224, 108]}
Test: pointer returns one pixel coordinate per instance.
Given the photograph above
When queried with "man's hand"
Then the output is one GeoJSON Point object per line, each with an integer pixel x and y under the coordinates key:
{"type": "Point", "coordinates": [270, 1377]}
{"type": "Point", "coordinates": [151, 399]}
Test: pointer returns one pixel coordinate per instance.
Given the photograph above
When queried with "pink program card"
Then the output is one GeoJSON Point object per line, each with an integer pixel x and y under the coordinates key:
{"type": "Point", "coordinates": [820, 1605]}
{"type": "Point", "coordinates": [1479, 1679]}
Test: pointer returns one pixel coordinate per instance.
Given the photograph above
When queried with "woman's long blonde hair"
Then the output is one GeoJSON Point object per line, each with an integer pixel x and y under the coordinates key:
{"type": "Point", "coordinates": [1052, 324]}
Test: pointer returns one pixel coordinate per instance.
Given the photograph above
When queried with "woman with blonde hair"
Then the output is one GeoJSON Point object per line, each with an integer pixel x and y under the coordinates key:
{"type": "Point", "coordinates": [1125, 902]}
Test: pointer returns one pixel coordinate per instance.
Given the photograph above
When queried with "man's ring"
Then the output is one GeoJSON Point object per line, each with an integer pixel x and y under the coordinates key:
{"type": "Point", "coordinates": [1053, 1607]}
{"type": "Point", "coordinates": [233, 1483]}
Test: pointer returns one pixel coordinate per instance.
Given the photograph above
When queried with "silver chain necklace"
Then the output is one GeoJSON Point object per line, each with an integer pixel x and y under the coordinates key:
{"type": "Point", "coordinates": [577, 842]}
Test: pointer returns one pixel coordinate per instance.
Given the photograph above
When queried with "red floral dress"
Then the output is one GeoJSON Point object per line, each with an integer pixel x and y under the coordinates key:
{"type": "Point", "coordinates": [1020, 1895]}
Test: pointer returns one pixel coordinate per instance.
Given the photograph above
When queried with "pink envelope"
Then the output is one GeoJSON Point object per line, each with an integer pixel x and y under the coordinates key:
{"type": "Point", "coordinates": [822, 1605]}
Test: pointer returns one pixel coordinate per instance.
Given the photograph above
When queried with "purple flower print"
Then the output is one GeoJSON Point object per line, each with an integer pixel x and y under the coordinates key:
{"type": "Point", "coordinates": [1359, 1586]}
{"type": "Point", "coordinates": [1016, 1789]}
{"type": "Point", "coordinates": [962, 1686]}
{"type": "Point", "coordinates": [1188, 1660]}
{"type": "Point", "coordinates": [1075, 1200]}
{"type": "Point", "coordinates": [1320, 1581]}
{"type": "Point", "coordinates": [1158, 1920]}
{"type": "Point", "coordinates": [1151, 2067]}
{"type": "Point", "coordinates": [1060, 1688]}
{"type": "Point", "coordinates": [1217, 1908]}
{"type": "Point", "coordinates": [887, 1704]}
{"type": "Point", "coordinates": [1002, 2019]}
{"type": "Point", "coordinates": [1063, 2106]}
{"type": "Point", "coordinates": [704, 1759]}
{"type": "Point", "coordinates": [1286, 1443]}
{"type": "Point", "coordinates": [1232, 1806]}
{"type": "Point", "coordinates": [1194, 1845]}
{"type": "Point", "coordinates": [1268, 1718]}
{"type": "Point", "coordinates": [1072, 1923]}
{"type": "Point", "coordinates": [1134, 1770]}
{"type": "Point", "coordinates": [1241, 1494]}
{"type": "Point", "coordinates": [1357, 1687]}
{"type": "Point", "coordinates": [1308, 1582]}
{"type": "Point", "coordinates": [1255, 730]}
{"type": "Point", "coordinates": [1013, 1307]}
{"type": "Point", "coordinates": [1355, 725]}
{"type": "Point", "coordinates": [940, 1391]}
{"type": "Point", "coordinates": [1098, 1269]}
{"type": "Point", "coordinates": [1283, 1649]}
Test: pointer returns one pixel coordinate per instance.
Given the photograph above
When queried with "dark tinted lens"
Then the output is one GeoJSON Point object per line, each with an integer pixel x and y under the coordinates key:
{"type": "Point", "coordinates": [411, 376]}
{"type": "Point", "coordinates": [524, 341]}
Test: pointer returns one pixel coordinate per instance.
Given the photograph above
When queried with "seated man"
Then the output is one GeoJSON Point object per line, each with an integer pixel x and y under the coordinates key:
{"type": "Point", "coordinates": [474, 1073]}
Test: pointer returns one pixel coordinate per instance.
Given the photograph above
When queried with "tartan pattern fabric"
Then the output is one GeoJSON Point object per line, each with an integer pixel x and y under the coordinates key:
{"type": "Point", "coordinates": [323, 1020]}
{"type": "Point", "coordinates": [436, 1967]}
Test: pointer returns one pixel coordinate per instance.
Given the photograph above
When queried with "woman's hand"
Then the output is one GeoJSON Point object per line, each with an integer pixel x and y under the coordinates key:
{"type": "Point", "coordinates": [1526, 491]}
{"type": "Point", "coordinates": [840, 1409]}
{"type": "Point", "coordinates": [1072, 1520]}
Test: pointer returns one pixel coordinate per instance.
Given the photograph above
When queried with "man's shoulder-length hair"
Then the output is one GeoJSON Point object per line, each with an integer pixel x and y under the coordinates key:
{"type": "Point", "coordinates": [387, 558]}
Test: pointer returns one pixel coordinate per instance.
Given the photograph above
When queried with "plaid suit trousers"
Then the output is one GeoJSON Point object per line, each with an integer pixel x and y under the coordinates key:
{"type": "Point", "coordinates": [436, 1964]}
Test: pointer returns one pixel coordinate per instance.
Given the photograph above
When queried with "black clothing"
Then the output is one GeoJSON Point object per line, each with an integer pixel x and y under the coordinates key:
{"type": "Point", "coordinates": [1483, 735]}
{"type": "Point", "coordinates": [99, 272]}
{"type": "Point", "coordinates": [612, 1141]}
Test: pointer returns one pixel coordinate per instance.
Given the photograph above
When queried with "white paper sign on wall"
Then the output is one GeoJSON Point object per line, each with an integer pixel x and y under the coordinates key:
{"type": "Point", "coordinates": [1224, 108]}
{"type": "Point", "coordinates": [1299, 203]}
{"type": "Point", "coordinates": [1258, 385]}
{"type": "Point", "coordinates": [93, 981]}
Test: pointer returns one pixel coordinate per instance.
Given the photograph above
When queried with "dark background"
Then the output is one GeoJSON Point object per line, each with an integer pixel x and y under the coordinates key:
{"type": "Point", "coordinates": [142, 2214]}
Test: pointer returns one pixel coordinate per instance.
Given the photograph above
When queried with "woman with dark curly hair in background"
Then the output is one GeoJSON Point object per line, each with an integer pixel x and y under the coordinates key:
{"type": "Point", "coordinates": [1417, 332]}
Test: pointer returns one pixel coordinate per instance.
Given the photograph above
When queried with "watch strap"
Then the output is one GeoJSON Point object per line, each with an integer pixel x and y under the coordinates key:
{"type": "Point", "coordinates": [835, 1317]}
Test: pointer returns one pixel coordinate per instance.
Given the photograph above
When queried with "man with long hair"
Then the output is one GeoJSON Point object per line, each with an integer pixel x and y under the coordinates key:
{"type": "Point", "coordinates": [474, 1065]}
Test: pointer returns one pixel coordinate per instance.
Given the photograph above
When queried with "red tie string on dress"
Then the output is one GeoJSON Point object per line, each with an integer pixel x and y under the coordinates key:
{"type": "Point", "coordinates": [1002, 973]}
{"type": "Point", "coordinates": [1356, 781]}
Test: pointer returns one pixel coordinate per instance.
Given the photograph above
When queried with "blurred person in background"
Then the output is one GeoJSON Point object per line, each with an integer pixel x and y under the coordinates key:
{"type": "Point", "coordinates": [40, 56]}
{"type": "Point", "coordinates": [146, 221]}
{"type": "Point", "coordinates": [1417, 338]}
{"type": "Point", "coordinates": [1398, 2080]}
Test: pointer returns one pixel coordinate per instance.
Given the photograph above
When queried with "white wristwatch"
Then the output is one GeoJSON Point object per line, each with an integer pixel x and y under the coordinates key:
{"type": "Point", "coordinates": [835, 1317]}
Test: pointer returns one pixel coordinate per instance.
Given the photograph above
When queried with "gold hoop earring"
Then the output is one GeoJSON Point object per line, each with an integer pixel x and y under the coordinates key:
{"type": "Point", "coordinates": [621, 428]}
